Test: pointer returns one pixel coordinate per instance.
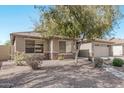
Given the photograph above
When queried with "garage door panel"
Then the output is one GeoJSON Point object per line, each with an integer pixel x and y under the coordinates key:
{"type": "Point", "coordinates": [83, 53]}
{"type": "Point", "coordinates": [101, 51]}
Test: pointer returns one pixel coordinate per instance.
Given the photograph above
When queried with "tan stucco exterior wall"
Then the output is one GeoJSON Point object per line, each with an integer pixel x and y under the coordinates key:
{"type": "Point", "coordinates": [110, 51]}
{"type": "Point", "coordinates": [54, 48]}
{"type": "Point", "coordinates": [51, 47]}
{"type": "Point", "coordinates": [5, 52]}
{"type": "Point", "coordinates": [19, 44]}
{"type": "Point", "coordinates": [87, 46]}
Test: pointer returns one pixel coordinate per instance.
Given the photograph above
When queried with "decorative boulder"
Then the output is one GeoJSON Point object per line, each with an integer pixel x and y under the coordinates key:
{"type": "Point", "coordinates": [98, 62]}
{"type": "Point", "coordinates": [89, 58]}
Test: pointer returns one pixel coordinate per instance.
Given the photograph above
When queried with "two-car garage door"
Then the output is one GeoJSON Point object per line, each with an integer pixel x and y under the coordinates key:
{"type": "Point", "coordinates": [101, 51]}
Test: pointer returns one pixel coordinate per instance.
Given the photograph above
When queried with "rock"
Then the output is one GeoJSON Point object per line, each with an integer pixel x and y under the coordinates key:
{"type": "Point", "coordinates": [98, 62]}
{"type": "Point", "coordinates": [89, 58]}
{"type": "Point", "coordinates": [34, 61]}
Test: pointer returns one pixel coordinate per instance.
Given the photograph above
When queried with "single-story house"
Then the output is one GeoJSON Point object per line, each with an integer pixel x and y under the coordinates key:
{"type": "Point", "coordinates": [55, 46]}
{"type": "Point", "coordinates": [50, 48]}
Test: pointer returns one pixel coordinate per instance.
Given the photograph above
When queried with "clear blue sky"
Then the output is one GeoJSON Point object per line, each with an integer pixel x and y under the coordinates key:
{"type": "Point", "coordinates": [21, 18]}
{"type": "Point", "coordinates": [16, 19]}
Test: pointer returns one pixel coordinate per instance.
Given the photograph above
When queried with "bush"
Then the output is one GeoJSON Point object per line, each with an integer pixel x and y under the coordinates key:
{"type": "Point", "coordinates": [34, 61]}
{"type": "Point", "coordinates": [19, 58]}
{"type": "Point", "coordinates": [98, 62]}
{"type": "Point", "coordinates": [60, 57]}
{"type": "Point", "coordinates": [117, 62]}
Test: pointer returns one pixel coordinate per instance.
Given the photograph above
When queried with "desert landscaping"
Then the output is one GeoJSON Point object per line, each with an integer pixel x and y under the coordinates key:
{"type": "Point", "coordinates": [59, 74]}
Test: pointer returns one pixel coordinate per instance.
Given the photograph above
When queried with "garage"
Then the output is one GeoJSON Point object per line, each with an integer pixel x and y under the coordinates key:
{"type": "Point", "coordinates": [84, 53]}
{"type": "Point", "coordinates": [101, 50]}
{"type": "Point", "coordinates": [117, 50]}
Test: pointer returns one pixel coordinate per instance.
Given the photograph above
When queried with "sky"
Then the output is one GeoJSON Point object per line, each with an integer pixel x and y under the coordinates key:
{"type": "Point", "coordinates": [16, 19]}
{"type": "Point", "coordinates": [22, 18]}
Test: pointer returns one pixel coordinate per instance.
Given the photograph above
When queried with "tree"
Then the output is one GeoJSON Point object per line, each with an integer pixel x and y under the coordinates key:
{"type": "Point", "coordinates": [78, 22]}
{"type": "Point", "coordinates": [7, 43]}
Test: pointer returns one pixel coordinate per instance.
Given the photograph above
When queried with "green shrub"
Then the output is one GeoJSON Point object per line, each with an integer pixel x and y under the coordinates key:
{"type": "Point", "coordinates": [60, 57]}
{"type": "Point", "coordinates": [34, 61]}
{"type": "Point", "coordinates": [117, 62]}
{"type": "Point", "coordinates": [19, 58]}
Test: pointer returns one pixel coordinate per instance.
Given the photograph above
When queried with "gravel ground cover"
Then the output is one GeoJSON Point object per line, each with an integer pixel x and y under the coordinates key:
{"type": "Point", "coordinates": [58, 74]}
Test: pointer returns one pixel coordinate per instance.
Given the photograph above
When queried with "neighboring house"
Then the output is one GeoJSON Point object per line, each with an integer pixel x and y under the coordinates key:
{"type": "Point", "coordinates": [49, 47]}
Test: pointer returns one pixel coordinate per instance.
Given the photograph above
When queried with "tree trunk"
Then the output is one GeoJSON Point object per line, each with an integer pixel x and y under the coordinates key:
{"type": "Point", "coordinates": [78, 48]}
{"type": "Point", "coordinates": [93, 57]}
{"type": "Point", "coordinates": [77, 52]}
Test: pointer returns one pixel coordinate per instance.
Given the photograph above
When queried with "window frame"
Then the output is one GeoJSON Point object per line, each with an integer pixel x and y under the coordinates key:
{"type": "Point", "coordinates": [28, 47]}
{"type": "Point", "coordinates": [39, 47]}
{"type": "Point", "coordinates": [36, 47]}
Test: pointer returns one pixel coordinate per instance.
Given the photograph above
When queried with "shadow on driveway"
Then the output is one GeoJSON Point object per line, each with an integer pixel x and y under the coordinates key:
{"type": "Point", "coordinates": [82, 75]}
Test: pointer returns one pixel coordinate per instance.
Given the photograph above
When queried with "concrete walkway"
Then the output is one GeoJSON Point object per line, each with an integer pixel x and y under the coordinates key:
{"type": "Point", "coordinates": [115, 72]}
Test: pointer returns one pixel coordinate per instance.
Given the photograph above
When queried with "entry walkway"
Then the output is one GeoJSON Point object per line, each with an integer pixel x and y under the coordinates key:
{"type": "Point", "coordinates": [115, 72]}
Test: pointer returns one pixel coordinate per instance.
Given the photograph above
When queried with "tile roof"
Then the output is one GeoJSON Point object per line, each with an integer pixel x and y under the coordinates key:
{"type": "Point", "coordinates": [33, 34]}
{"type": "Point", "coordinates": [117, 41]}
{"type": "Point", "coordinates": [43, 35]}
{"type": "Point", "coordinates": [29, 34]}
{"type": "Point", "coordinates": [100, 41]}
{"type": "Point", "coordinates": [36, 34]}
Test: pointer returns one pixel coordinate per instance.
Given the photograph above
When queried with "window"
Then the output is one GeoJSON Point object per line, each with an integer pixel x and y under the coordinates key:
{"type": "Point", "coordinates": [38, 48]}
{"type": "Point", "coordinates": [62, 46]}
{"type": "Point", "coordinates": [31, 47]}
